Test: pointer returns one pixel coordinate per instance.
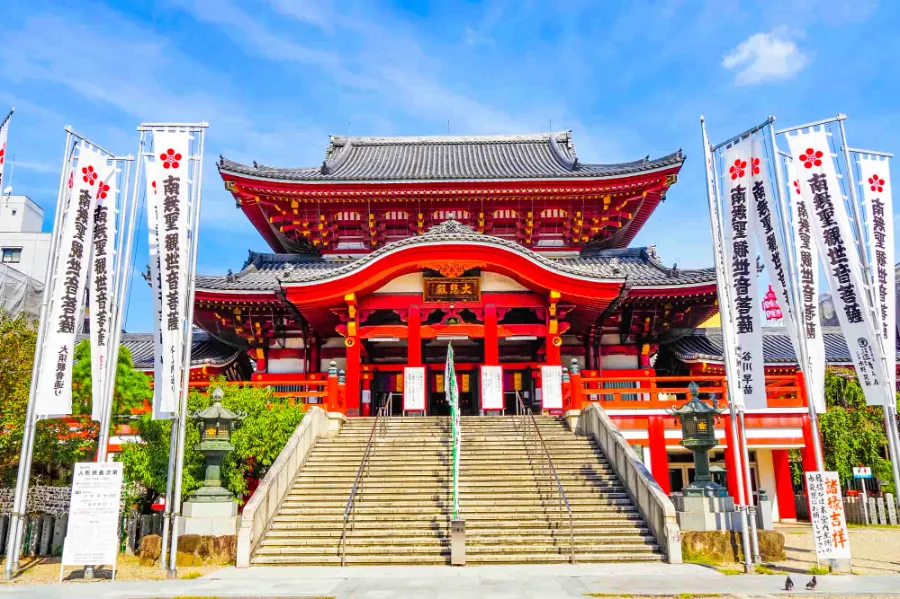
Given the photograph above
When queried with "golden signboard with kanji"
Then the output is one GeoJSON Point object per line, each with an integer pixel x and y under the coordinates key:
{"type": "Point", "coordinates": [457, 289]}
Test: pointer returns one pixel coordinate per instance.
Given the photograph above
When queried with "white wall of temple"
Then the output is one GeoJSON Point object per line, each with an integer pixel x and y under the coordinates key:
{"type": "Point", "coordinates": [766, 474]}
{"type": "Point", "coordinates": [286, 365]}
{"type": "Point", "coordinates": [618, 362]}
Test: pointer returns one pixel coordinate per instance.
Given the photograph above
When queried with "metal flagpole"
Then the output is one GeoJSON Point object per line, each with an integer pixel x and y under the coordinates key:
{"type": "Point", "coordinates": [121, 280]}
{"type": "Point", "coordinates": [751, 501]}
{"type": "Point", "coordinates": [890, 399]}
{"type": "Point", "coordinates": [16, 520]}
{"type": "Point", "coordinates": [728, 342]}
{"type": "Point", "coordinates": [188, 342]}
{"type": "Point", "coordinates": [796, 299]}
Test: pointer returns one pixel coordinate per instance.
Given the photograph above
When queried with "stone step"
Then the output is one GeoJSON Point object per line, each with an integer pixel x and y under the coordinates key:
{"type": "Point", "coordinates": [436, 509]}
{"type": "Point", "coordinates": [527, 528]}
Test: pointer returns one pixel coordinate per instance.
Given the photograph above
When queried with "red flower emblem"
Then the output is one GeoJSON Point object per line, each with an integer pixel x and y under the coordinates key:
{"type": "Point", "coordinates": [3, 154]}
{"type": "Point", "coordinates": [170, 159]}
{"type": "Point", "coordinates": [737, 169]}
{"type": "Point", "coordinates": [811, 157]}
{"type": "Point", "coordinates": [71, 179]}
{"type": "Point", "coordinates": [153, 185]}
{"type": "Point", "coordinates": [88, 175]}
{"type": "Point", "coordinates": [754, 166]}
{"type": "Point", "coordinates": [876, 183]}
{"type": "Point", "coordinates": [102, 188]}
{"type": "Point", "coordinates": [797, 187]}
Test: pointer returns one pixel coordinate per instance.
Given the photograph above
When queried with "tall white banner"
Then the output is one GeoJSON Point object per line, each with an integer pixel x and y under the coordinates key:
{"type": "Point", "coordinates": [740, 254]}
{"type": "Point", "coordinates": [164, 403]}
{"type": "Point", "coordinates": [831, 229]}
{"type": "Point", "coordinates": [54, 393]}
{"type": "Point", "coordinates": [171, 151]}
{"type": "Point", "coordinates": [101, 287]}
{"type": "Point", "coordinates": [875, 178]}
{"type": "Point", "coordinates": [807, 260]}
{"type": "Point", "coordinates": [766, 225]}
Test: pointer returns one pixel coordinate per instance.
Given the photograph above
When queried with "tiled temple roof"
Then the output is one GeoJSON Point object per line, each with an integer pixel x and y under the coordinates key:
{"type": "Point", "coordinates": [637, 266]}
{"type": "Point", "coordinates": [205, 350]}
{"type": "Point", "coordinates": [706, 345]}
{"type": "Point", "coordinates": [460, 158]}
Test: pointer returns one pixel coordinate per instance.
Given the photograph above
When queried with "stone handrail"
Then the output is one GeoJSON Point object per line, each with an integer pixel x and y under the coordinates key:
{"type": "Point", "coordinates": [279, 479]}
{"type": "Point", "coordinates": [655, 507]}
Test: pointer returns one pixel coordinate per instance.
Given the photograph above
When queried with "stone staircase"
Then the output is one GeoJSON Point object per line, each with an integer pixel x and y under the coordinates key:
{"type": "Point", "coordinates": [512, 513]}
{"type": "Point", "coordinates": [404, 510]}
{"type": "Point", "coordinates": [402, 513]}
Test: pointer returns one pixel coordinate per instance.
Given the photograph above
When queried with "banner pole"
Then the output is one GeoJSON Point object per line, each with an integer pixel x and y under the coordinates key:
{"type": "Point", "coordinates": [890, 398]}
{"type": "Point", "coordinates": [23, 476]}
{"type": "Point", "coordinates": [120, 285]}
{"type": "Point", "coordinates": [751, 500]}
{"type": "Point", "coordinates": [793, 290]}
{"type": "Point", "coordinates": [725, 307]}
{"type": "Point", "coordinates": [188, 343]}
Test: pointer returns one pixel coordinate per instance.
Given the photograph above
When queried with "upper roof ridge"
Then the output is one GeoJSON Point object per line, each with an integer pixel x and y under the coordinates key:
{"type": "Point", "coordinates": [339, 140]}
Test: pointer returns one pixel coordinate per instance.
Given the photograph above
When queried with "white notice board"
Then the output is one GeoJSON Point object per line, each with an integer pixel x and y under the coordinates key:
{"type": "Point", "coordinates": [826, 511]}
{"type": "Point", "coordinates": [414, 389]}
{"type": "Point", "coordinates": [551, 384]}
{"type": "Point", "coordinates": [492, 388]}
{"type": "Point", "coordinates": [92, 536]}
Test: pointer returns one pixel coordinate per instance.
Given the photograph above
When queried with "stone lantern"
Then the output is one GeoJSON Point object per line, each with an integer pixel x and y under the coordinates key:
{"type": "Point", "coordinates": [216, 424]}
{"type": "Point", "coordinates": [698, 430]}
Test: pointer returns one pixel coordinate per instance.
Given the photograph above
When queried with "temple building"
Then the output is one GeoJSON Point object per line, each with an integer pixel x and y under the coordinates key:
{"type": "Point", "coordinates": [511, 248]}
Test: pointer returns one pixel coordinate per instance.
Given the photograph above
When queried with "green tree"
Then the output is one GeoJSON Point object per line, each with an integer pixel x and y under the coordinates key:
{"type": "Point", "coordinates": [58, 442]}
{"type": "Point", "coordinates": [132, 387]}
{"type": "Point", "coordinates": [258, 439]}
{"type": "Point", "coordinates": [852, 433]}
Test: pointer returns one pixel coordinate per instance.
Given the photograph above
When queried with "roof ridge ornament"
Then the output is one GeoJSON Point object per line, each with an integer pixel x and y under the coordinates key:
{"type": "Point", "coordinates": [450, 227]}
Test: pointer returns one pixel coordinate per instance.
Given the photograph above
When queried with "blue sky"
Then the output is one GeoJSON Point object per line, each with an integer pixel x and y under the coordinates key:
{"type": "Point", "coordinates": [275, 77]}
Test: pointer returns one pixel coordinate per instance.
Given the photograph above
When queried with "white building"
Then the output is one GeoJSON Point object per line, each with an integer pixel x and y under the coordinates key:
{"type": "Point", "coordinates": [23, 247]}
{"type": "Point", "coordinates": [24, 254]}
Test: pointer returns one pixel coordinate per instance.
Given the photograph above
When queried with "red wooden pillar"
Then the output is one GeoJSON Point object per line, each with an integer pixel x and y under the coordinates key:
{"type": "Point", "coordinates": [351, 393]}
{"type": "Point", "coordinates": [553, 343]}
{"type": "Point", "coordinates": [414, 336]}
{"type": "Point", "coordinates": [809, 451]}
{"type": "Point", "coordinates": [313, 349]}
{"type": "Point", "coordinates": [659, 458]}
{"type": "Point", "coordinates": [784, 485]}
{"type": "Point", "coordinates": [367, 392]}
{"type": "Point", "coordinates": [332, 400]}
{"type": "Point", "coordinates": [491, 343]}
{"type": "Point", "coordinates": [732, 469]}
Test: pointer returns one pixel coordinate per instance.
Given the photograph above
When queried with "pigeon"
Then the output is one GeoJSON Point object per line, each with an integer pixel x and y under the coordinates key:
{"type": "Point", "coordinates": [811, 585]}
{"type": "Point", "coordinates": [788, 584]}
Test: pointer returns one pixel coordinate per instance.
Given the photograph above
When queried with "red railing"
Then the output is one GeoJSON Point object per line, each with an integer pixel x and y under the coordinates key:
{"type": "Point", "coordinates": [666, 392]}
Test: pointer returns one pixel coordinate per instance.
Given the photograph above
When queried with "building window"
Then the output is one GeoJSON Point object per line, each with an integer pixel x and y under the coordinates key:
{"type": "Point", "coordinates": [11, 255]}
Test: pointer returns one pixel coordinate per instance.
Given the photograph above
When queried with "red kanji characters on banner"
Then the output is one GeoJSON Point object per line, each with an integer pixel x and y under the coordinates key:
{"type": "Point", "coordinates": [754, 166]}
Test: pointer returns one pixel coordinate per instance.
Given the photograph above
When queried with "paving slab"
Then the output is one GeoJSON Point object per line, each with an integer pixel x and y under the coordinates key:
{"type": "Point", "coordinates": [444, 582]}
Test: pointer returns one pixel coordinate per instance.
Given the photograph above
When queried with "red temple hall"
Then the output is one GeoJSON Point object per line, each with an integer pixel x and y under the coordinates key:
{"type": "Point", "coordinates": [508, 247]}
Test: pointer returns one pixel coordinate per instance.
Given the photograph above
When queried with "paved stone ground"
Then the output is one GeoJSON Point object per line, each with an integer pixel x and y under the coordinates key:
{"type": "Point", "coordinates": [875, 550]}
{"type": "Point", "coordinates": [442, 582]}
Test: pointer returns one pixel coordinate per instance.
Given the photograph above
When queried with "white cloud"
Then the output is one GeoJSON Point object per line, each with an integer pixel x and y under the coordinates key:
{"type": "Point", "coordinates": [765, 57]}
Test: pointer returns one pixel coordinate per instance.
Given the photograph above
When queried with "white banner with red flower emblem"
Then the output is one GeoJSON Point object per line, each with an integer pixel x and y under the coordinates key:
{"type": "Point", "coordinates": [101, 288]}
{"type": "Point", "coordinates": [54, 393]}
{"type": "Point", "coordinates": [163, 406]}
{"type": "Point", "coordinates": [875, 178]}
{"type": "Point", "coordinates": [831, 229]}
{"type": "Point", "coordinates": [170, 173]}
{"type": "Point", "coordinates": [807, 259]}
{"type": "Point", "coordinates": [4, 133]}
{"type": "Point", "coordinates": [766, 225]}
{"type": "Point", "coordinates": [740, 255]}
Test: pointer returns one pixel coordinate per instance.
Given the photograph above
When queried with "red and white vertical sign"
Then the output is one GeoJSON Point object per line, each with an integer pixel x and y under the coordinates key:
{"type": "Point", "coordinates": [414, 389]}
{"type": "Point", "coordinates": [740, 256]}
{"type": "Point", "coordinates": [551, 388]}
{"type": "Point", "coordinates": [826, 511]}
{"type": "Point", "coordinates": [820, 189]}
{"type": "Point", "coordinates": [807, 259]}
{"type": "Point", "coordinates": [875, 178]}
{"type": "Point", "coordinates": [54, 393]}
{"type": "Point", "coordinates": [170, 175]}
{"type": "Point", "coordinates": [101, 286]}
